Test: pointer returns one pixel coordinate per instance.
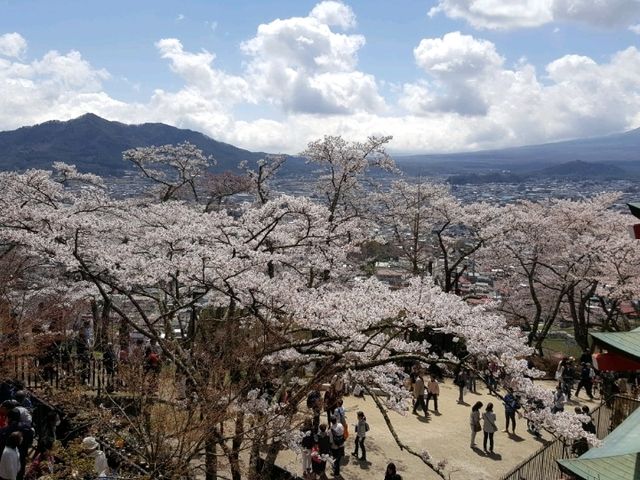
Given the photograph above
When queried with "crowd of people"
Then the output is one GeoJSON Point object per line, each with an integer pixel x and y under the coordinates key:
{"type": "Point", "coordinates": [29, 444]}
{"type": "Point", "coordinates": [324, 443]}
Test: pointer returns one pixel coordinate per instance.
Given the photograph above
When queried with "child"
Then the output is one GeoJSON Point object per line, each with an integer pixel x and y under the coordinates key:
{"type": "Point", "coordinates": [307, 445]}
{"type": "Point", "coordinates": [318, 463]}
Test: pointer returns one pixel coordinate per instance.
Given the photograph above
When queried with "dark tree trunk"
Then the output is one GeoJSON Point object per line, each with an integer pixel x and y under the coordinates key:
{"type": "Point", "coordinates": [211, 459]}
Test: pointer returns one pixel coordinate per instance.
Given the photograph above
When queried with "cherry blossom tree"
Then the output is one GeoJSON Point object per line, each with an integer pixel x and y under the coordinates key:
{"type": "Point", "coordinates": [433, 227]}
{"type": "Point", "coordinates": [171, 168]}
{"type": "Point", "coordinates": [343, 166]}
{"type": "Point", "coordinates": [250, 316]}
{"type": "Point", "coordinates": [559, 254]}
{"type": "Point", "coordinates": [261, 177]}
{"type": "Point", "coordinates": [220, 187]}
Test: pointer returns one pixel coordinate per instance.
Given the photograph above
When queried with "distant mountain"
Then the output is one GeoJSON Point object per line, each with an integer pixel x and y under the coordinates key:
{"type": "Point", "coordinates": [94, 144]}
{"type": "Point", "coordinates": [622, 150]}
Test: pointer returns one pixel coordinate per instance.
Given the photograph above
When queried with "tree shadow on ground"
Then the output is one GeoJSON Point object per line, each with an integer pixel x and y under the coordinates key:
{"type": "Point", "coordinates": [540, 439]}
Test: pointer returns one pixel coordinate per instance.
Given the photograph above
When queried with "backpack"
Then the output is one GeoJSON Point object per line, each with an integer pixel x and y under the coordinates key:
{"type": "Point", "coordinates": [153, 360]}
{"type": "Point", "coordinates": [312, 398]}
{"type": "Point", "coordinates": [307, 441]}
{"type": "Point", "coordinates": [366, 427]}
{"type": "Point", "coordinates": [324, 445]}
{"type": "Point", "coordinates": [338, 440]}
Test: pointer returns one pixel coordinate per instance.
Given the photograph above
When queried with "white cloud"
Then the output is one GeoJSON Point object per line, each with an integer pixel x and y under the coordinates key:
{"type": "Point", "coordinates": [456, 55]}
{"type": "Point", "coordinates": [197, 70]}
{"type": "Point", "coordinates": [304, 78]}
{"type": "Point", "coordinates": [458, 65]}
{"type": "Point", "coordinates": [471, 91]}
{"type": "Point", "coordinates": [635, 28]}
{"type": "Point", "coordinates": [180, 17]}
{"type": "Point", "coordinates": [12, 45]}
{"type": "Point", "coordinates": [54, 85]}
{"type": "Point", "coordinates": [335, 14]}
{"type": "Point", "coordinates": [509, 14]}
{"type": "Point", "coordinates": [302, 66]}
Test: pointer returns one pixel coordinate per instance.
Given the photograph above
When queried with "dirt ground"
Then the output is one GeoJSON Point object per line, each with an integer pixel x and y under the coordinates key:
{"type": "Point", "coordinates": [445, 436]}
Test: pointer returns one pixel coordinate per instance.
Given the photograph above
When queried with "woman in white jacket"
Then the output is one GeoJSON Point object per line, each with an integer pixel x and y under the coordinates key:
{"type": "Point", "coordinates": [489, 427]}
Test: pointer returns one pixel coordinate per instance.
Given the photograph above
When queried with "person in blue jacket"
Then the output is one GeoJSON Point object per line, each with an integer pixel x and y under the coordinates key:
{"type": "Point", "coordinates": [511, 406]}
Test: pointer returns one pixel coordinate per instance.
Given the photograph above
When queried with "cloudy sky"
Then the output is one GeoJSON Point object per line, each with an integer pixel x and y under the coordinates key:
{"type": "Point", "coordinates": [438, 75]}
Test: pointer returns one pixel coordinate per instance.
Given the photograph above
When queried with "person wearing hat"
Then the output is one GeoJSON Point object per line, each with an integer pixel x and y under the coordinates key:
{"type": "Point", "coordinates": [90, 446]}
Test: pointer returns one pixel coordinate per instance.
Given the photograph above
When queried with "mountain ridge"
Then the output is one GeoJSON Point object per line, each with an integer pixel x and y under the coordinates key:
{"type": "Point", "coordinates": [620, 149]}
{"type": "Point", "coordinates": [95, 145]}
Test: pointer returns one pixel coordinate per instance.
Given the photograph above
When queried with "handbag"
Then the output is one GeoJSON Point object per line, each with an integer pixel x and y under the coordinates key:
{"type": "Point", "coordinates": [477, 427]}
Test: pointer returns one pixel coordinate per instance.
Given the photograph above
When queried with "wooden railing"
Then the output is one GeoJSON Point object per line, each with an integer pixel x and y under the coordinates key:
{"type": "Point", "coordinates": [75, 370]}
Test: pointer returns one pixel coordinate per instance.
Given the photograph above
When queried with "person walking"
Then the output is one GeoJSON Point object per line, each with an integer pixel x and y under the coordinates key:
{"type": "Point", "coordinates": [586, 357]}
{"type": "Point", "coordinates": [586, 380]}
{"type": "Point", "coordinates": [10, 462]}
{"type": "Point", "coordinates": [489, 427]}
{"type": "Point", "coordinates": [474, 422]}
{"type": "Point", "coordinates": [433, 390]}
{"type": "Point", "coordinates": [418, 392]}
{"type": "Point", "coordinates": [391, 473]}
{"type": "Point", "coordinates": [471, 382]}
{"type": "Point", "coordinates": [361, 428]}
{"type": "Point", "coordinates": [568, 377]}
{"type": "Point", "coordinates": [511, 406]}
